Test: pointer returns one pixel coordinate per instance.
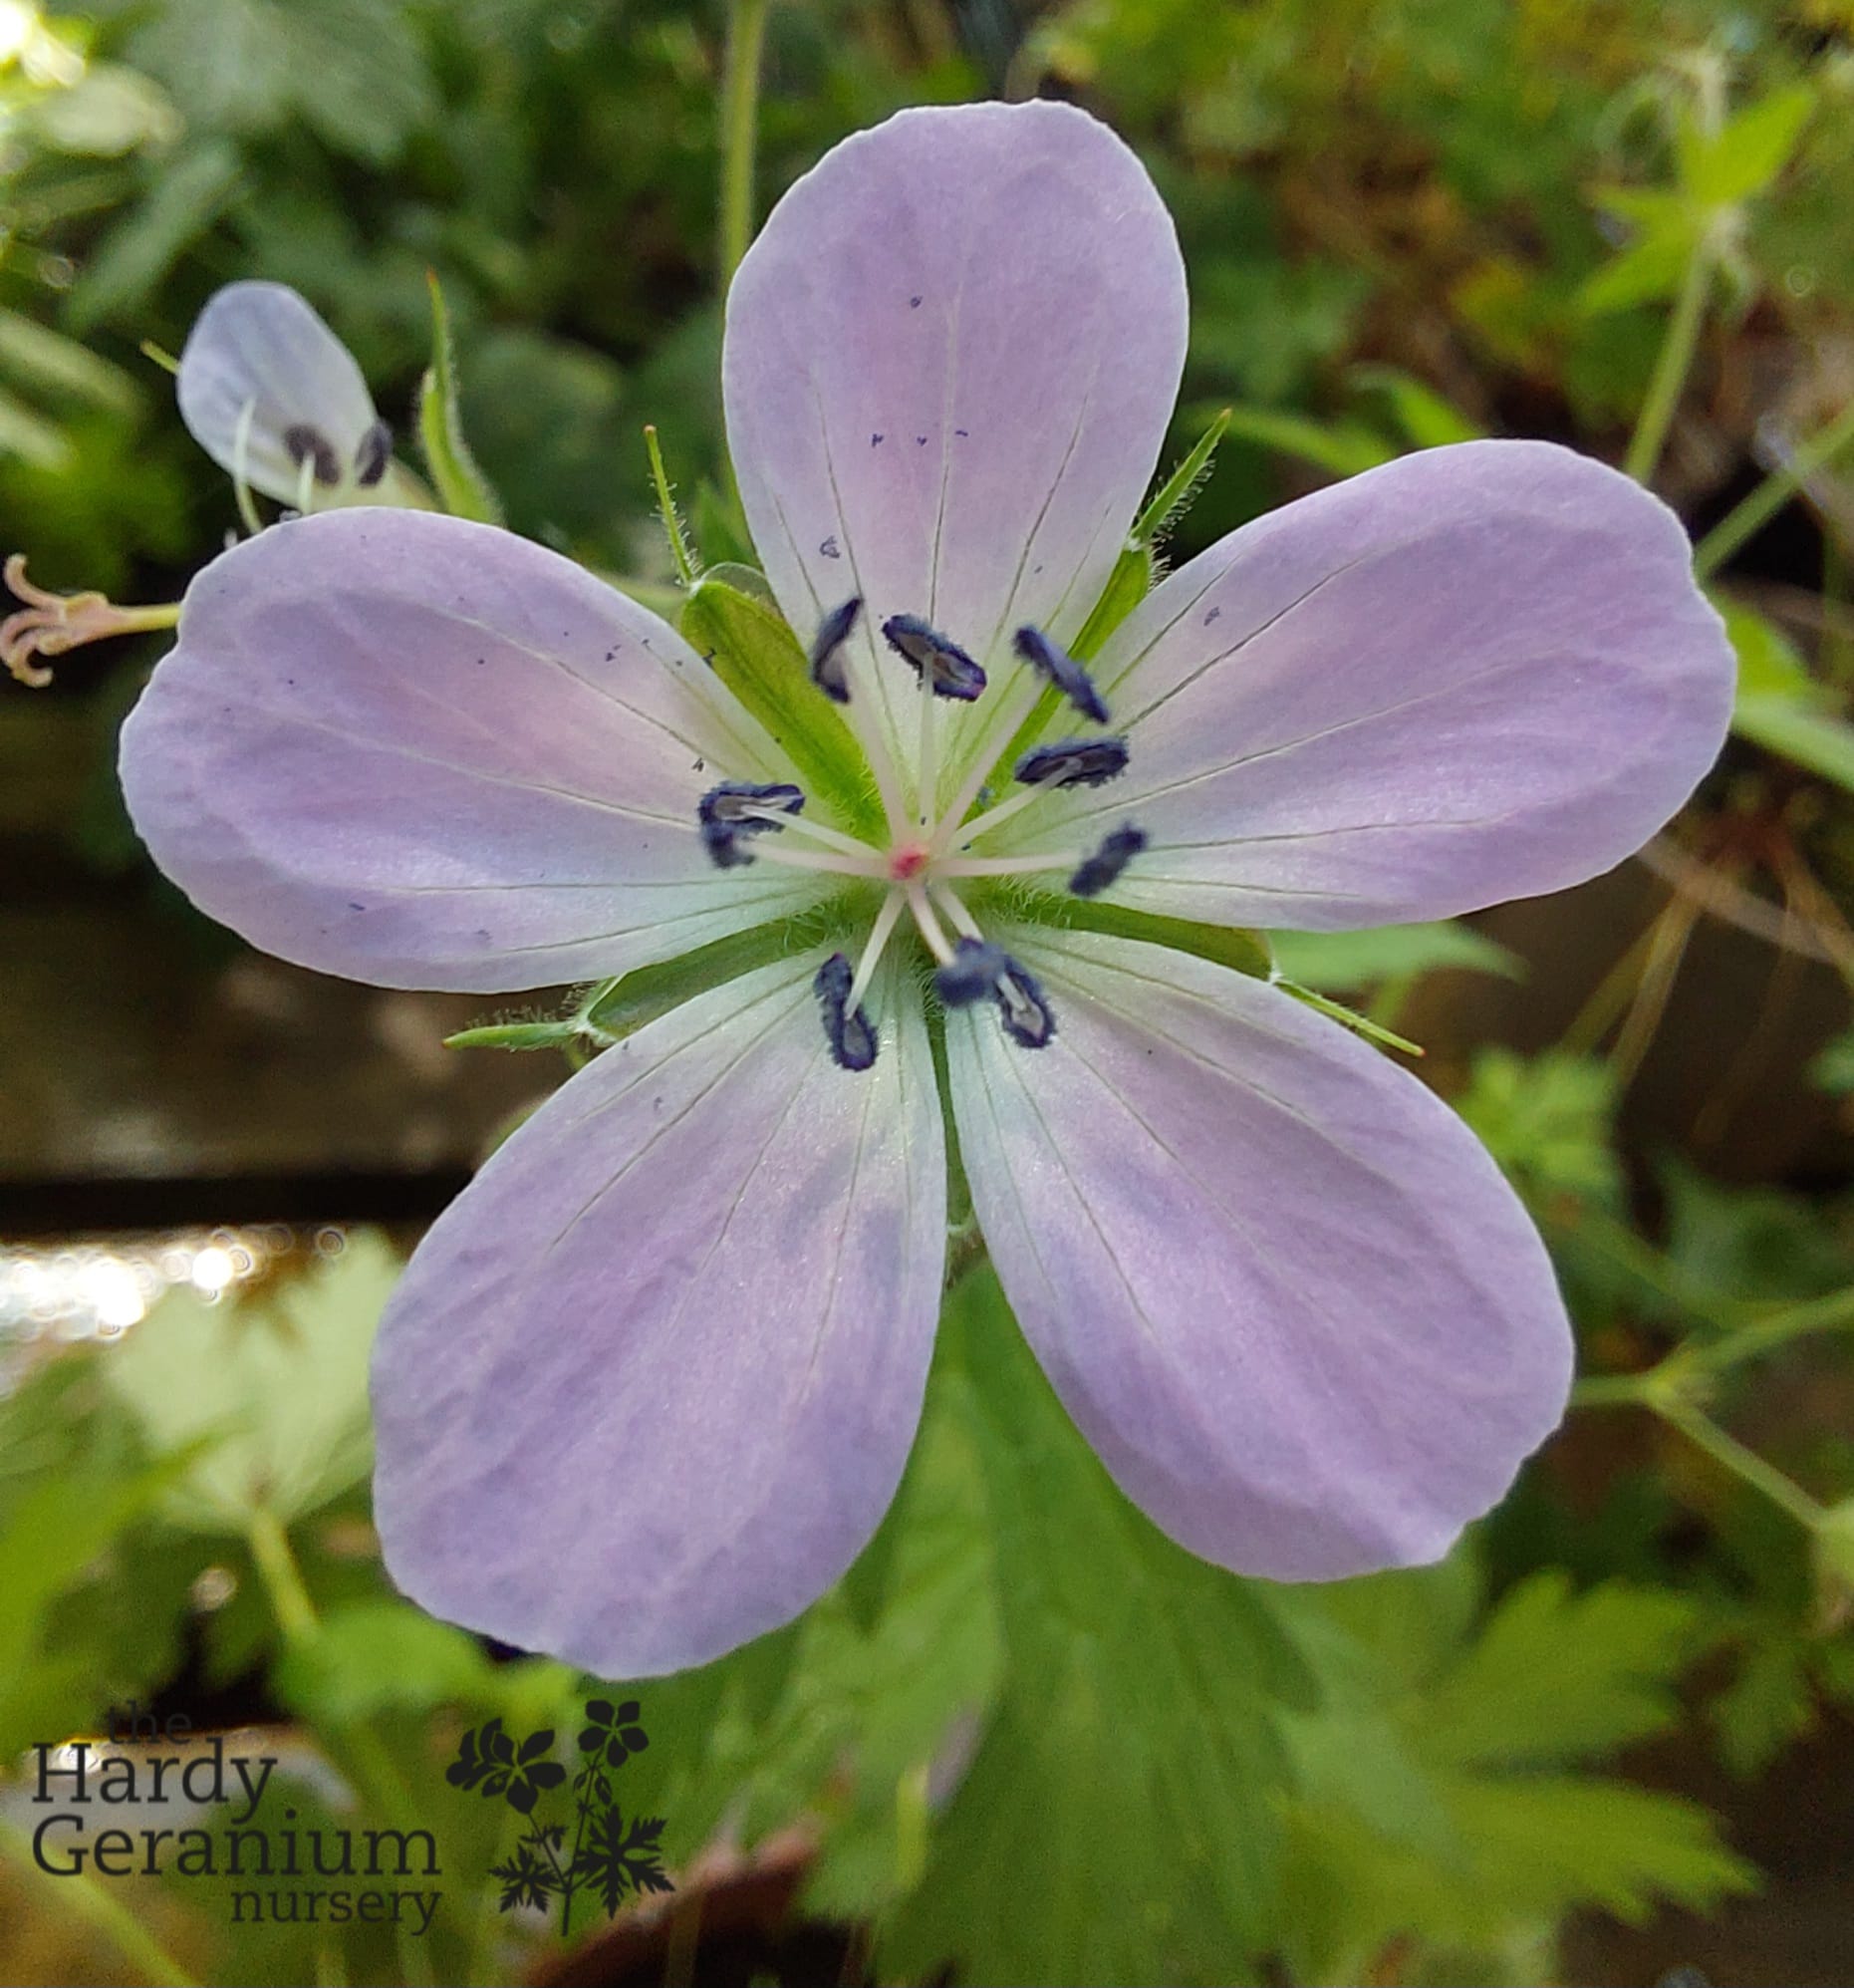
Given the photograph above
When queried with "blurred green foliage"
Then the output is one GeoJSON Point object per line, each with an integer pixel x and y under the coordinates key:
{"type": "Point", "coordinates": [1027, 1737]}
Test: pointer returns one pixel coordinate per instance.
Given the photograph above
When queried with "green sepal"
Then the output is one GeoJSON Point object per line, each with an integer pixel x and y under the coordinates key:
{"type": "Point", "coordinates": [731, 619]}
{"type": "Point", "coordinates": [1348, 1018]}
{"type": "Point", "coordinates": [1138, 565]}
{"type": "Point", "coordinates": [461, 488]}
{"type": "Point", "coordinates": [1175, 495]}
{"type": "Point", "coordinates": [1126, 585]}
{"type": "Point", "coordinates": [557, 1034]}
{"type": "Point", "coordinates": [622, 1007]}
{"type": "Point", "coordinates": [1232, 946]}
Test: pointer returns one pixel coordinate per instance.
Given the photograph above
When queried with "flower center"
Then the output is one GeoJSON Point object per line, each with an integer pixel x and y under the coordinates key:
{"type": "Point", "coordinates": [932, 840]}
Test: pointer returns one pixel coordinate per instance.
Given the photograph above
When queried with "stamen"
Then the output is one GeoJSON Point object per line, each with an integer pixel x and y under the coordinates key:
{"type": "Point", "coordinates": [308, 443]}
{"type": "Point", "coordinates": [1004, 866]}
{"type": "Point", "coordinates": [371, 454]}
{"type": "Point", "coordinates": [1105, 865]}
{"type": "Point", "coordinates": [739, 808]}
{"type": "Point", "coordinates": [1073, 762]}
{"type": "Point", "coordinates": [955, 910]}
{"type": "Point", "coordinates": [1062, 669]}
{"type": "Point", "coordinates": [972, 973]}
{"type": "Point", "coordinates": [872, 951]}
{"type": "Point", "coordinates": [951, 673]}
{"type": "Point", "coordinates": [803, 826]}
{"type": "Point", "coordinates": [930, 926]}
{"type": "Point", "coordinates": [750, 806]}
{"type": "Point", "coordinates": [828, 661]}
{"type": "Point", "coordinates": [846, 1028]}
{"type": "Point", "coordinates": [1028, 1018]}
{"type": "Point", "coordinates": [977, 969]}
{"type": "Point", "coordinates": [241, 483]}
{"type": "Point", "coordinates": [927, 754]}
{"type": "Point", "coordinates": [1069, 762]}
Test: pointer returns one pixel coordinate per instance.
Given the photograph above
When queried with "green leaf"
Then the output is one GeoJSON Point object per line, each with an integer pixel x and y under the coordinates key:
{"type": "Point", "coordinates": [1133, 1754]}
{"type": "Point", "coordinates": [1780, 706]}
{"type": "Point", "coordinates": [745, 640]}
{"type": "Point", "coordinates": [462, 487]}
{"type": "Point", "coordinates": [1745, 156]}
{"type": "Point", "coordinates": [1433, 1810]}
{"type": "Point", "coordinates": [1556, 1676]}
{"type": "Point", "coordinates": [272, 1382]}
{"type": "Point", "coordinates": [354, 70]}
{"type": "Point", "coordinates": [1766, 1705]}
{"type": "Point", "coordinates": [1545, 1844]}
{"type": "Point", "coordinates": [1648, 271]}
{"type": "Point", "coordinates": [60, 369]}
{"type": "Point", "coordinates": [377, 1656]}
{"type": "Point", "coordinates": [1426, 419]}
{"type": "Point", "coordinates": [1343, 449]}
{"type": "Point", "coordinates": [139, 249]}
{"type": "Point", "coordinates": [1833, 1067]}
{"type": "Point", "coordinates": [1350, 962]}
{"type": "Point", "coordinates": [1548, 1120]}
{"type": "Point", "coordinates": [27, 434]}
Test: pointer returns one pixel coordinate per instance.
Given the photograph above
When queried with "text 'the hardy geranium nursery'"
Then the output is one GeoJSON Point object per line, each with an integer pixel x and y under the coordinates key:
{"type": "Point", "coordinates": [683, 1316]}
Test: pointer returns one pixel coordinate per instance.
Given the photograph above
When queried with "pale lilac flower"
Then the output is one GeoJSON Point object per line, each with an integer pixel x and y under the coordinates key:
{"type": "Point", "coordinates": [277, 401]}
{"type": "Point", "coordinates": [682, 1317]}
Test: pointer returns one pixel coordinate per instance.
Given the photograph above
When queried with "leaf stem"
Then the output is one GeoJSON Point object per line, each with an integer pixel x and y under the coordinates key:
{"type": "Point", "coordinates": [1726, 1450]}
{"type": "Point", "coordinates": [1753, 512]}
{"type": "Point", "coordinates": [1671, 365]}
{"type": "Point", "coordinates": [368, 1759]}
{"type": "Point", "coordinates": [93, 1901]}
{"type": "Point", "coordinates": [747, 38]}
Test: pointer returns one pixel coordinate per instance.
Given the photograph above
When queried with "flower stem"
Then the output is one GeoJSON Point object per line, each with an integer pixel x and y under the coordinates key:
{"type": "Point", "coordinates": [1753, 512]}
{"type": "Point", "coordinates": [93, 1901]}
{"type": "Point", "coordinates": [747, 37]}
{"type": "Point", "coordinates": [368, 1759]}
{"type": "Point", "coordinates": [1672, 366]}
{"type": "Point", "coordinates": [1746, 1464]}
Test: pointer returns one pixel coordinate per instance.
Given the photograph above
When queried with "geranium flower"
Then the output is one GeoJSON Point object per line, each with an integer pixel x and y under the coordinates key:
{"type": "Point", "coordinates": [491, 1760]}
{"type": "Point", "coordinates": [681, 1323]}
{"type": "Point", "coordinates": [277, 401]}
{"type": "Point", "coordinates": [613, 1733]}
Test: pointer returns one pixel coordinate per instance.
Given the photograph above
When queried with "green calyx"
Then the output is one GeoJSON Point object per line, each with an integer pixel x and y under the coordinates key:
{"type": "Point", "coordinates": [732, 622]}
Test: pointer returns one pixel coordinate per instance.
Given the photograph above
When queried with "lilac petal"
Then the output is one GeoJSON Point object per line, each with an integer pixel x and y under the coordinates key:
{"type": "Point", "coordinates": [262, 345]}
{"type": "Point", "coordinates": [647, 1386]}
{"type": "Point", "coordinates": [1279, 1286]}
{"type": "Point", "coordinates": [951, 359]}
{"type": "Point", "coordinates": [1480, 672]}
{"type": "Point", "coordinates": [426, 753]}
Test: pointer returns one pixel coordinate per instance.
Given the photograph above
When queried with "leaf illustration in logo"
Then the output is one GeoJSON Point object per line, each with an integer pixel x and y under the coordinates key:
{"type": "Point", "coordinates": [526, 1881]}
{"type": "Point", "coordinates": [616, 1858]}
